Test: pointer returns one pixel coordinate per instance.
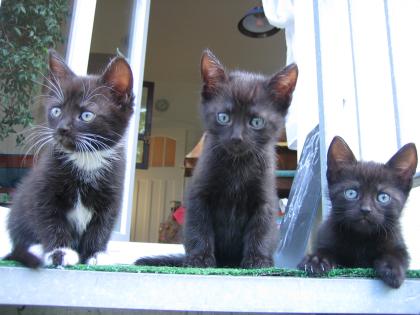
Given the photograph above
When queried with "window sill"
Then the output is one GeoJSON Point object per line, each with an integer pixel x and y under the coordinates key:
{"type": "Point", "coordinates": [123, 290]}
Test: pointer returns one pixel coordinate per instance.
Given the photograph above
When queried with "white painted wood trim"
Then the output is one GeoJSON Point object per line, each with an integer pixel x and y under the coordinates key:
{"type": "Point", "coordinates": [52, 287]}
{"type": "Point", "coordinates": [137, 56]}
{"type": "Point", "coordinates": [80, 35]}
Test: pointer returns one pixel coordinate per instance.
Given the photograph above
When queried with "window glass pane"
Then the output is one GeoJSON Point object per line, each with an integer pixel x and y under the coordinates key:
{"type": "Point", "coordinates": [111, 32]}
{"type": "Point", "coordinates": [143, 111]}
{"type": "Point", "coordinates": [110, 36]}
{"type": "Point", "coordinates": [140, 150]}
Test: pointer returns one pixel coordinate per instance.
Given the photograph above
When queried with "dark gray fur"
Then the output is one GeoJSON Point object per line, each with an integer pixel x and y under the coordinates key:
{"type": "Point", "coordinates": [363, 232]}
{"type": "Point", "coordinates": [231, 200]}
{"type": "Point", "coordinates": [46, 196]}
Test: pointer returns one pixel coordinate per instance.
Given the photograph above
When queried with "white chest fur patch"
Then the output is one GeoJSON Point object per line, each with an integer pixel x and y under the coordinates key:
{"type": "Point", "coordinates": [92, 161]}
{"type": "Point", "coordinates": [80, 216]}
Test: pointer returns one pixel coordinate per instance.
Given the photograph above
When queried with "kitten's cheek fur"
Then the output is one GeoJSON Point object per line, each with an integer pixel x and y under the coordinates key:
{"type": "Point", "coordinates": [62, 256]}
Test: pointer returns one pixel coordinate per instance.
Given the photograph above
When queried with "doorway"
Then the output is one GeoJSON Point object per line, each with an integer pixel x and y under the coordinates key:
{"type": "Point", "coordinates": [178, 33]}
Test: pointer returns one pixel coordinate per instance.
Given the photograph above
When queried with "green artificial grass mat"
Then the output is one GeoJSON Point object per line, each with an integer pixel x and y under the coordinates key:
{"type": "Point", "coordinates": [335, 273]}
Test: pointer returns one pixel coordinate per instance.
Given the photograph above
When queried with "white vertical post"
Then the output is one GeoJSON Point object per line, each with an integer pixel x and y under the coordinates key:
{"type": "Point", "coordinates": [80, 36]}
{"type": "Point", "coordinates": [137, 55]}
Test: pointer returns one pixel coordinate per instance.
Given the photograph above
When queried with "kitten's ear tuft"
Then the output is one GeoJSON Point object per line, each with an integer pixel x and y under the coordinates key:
{"type": "Point", "coordinates": [282, 84]}
{"type": "Point", "coordinates": [339, 153]}
{"type": "Point", "coordinates": [212, 73]}
{"type": "Point", "coordinates": [58, 68]}
{"type": "Point", "coordinates": [404, 162]}
{"type": "Point", "coordinates": [119, 77]}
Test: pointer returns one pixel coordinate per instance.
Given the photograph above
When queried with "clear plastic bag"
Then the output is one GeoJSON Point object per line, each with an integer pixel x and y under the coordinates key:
{"type": "Point", "coordinates": [303, 204]}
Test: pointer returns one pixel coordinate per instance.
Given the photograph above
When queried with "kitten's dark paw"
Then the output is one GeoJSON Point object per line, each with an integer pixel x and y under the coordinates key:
{"type": "Point", "coordinates": [316, 265]}
{"type": "Point", "coordinates": [200, 261]}
{"type": "Point", "coordinates": [392, 273]}
{"type": "Point", "coordinates": [257, 262]}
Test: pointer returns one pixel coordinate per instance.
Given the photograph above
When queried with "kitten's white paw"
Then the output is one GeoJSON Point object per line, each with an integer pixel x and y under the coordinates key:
{"type": "Point", "coordinates": [37, 250]}
{"type": "Point", "coordinates": [100, 258]}
{"type": "Point", "coordinates": [62, 256]}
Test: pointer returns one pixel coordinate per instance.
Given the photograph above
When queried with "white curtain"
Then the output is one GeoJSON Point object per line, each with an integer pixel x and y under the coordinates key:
{"type": "Point", "coordinates": [296, 18]}
{"type": "Point", "coordinates": [359, 60]}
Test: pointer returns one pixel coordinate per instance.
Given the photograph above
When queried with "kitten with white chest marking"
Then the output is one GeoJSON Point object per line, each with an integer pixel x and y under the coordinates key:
{"type": "Point", "coordinates": [70, 200]}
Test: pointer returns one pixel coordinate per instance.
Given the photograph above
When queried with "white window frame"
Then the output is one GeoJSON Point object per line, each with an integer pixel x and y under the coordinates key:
{"type": "Point", "coordinates": [77, 57]}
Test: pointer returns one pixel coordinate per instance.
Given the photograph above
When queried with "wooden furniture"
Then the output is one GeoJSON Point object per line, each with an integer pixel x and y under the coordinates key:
{"type": "Point", "coordinates": [12, 168]}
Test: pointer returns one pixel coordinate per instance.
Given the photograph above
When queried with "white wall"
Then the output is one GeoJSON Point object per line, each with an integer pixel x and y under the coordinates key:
{"type": "Point", "coordinates": [367, 63]}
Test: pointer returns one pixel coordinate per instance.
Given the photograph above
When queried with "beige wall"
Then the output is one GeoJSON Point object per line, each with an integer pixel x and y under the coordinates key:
{"type": "Point", "coordinates": [178, 33]}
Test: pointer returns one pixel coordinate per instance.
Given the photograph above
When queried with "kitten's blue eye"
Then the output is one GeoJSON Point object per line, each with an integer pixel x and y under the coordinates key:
{"type": "Point", "coordinates": [383, 198]}
{"type": "Point", "coordinates": [87, 116]}
{"type": "Point", "coordinates": [55, 112]}
{"type": "Point", "coordinates": [351, 194]}
{"type": "Point", "coordinates": [257, 123]}
{"type": "Point", "coordinates": [223, 118]}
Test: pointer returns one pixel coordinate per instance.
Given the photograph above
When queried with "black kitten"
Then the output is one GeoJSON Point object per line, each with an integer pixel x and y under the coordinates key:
{"type": "Point", "coordinates": [69, 202]}
{"type": "Point", "coordinates": [363, 227]}
{"type": "Point", "coordinates": [231, 201]}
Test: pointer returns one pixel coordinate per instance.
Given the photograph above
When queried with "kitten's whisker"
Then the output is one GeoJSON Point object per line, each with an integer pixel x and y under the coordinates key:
{"type": "Point", "coordinates": [38, 151]}
{"type": "Point", "coordinates": [37, 133]}
{"type": "Point", "coordinates": [116, 133]}
{"type": "Point", "coordinates": [91, 93]}
{"type": "Point", "coordinates": [33, 128]}
{"type": "Point", "coordinates": [100, 144]}
{"type": "Point", "coordinates": [93, 138]}
{"type": "Point", "coordinates": [54, 86]}
{"type": "Point", "coordinates": [57, 85]}
{"type": "Point", "coordinates": [84, 91]}
{"type": "Point", "coordinates": [53, 90]}
{"type": "Point", "coordinates": [99, 136]}
{"type": "Point", "coordinates": [36, 144]}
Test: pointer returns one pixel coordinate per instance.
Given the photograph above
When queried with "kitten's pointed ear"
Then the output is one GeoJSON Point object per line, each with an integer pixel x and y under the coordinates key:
{"type": "Point", "coordinates": [58, 68]}
{"type": "Point", "coordinates": [404, 162]}
{"type": "Point", "coordinates": [212, 73]}
{"type": "Point", "coordinates": [282, 84]}
{"type": "Point", "coordinates": [119, 77]}
{"type": "Point", "coordinates": [339, 153]}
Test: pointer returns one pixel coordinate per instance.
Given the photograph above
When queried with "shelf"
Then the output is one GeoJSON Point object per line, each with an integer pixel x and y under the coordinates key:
{"type": "Point", "coordinates": [123, 291]}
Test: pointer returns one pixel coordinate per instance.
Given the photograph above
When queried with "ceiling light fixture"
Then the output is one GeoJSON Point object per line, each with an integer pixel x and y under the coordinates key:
{"type": "Point", "coordinates": [255, 24]}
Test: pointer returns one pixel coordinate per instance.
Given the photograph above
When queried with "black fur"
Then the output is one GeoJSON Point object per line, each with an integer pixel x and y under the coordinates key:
{"type": "Point", "coordinates": [231, 200]}
{"type": "Point", "coordinates": [363, 232]}
{"type": "Point", "coordinates": [56, 184]}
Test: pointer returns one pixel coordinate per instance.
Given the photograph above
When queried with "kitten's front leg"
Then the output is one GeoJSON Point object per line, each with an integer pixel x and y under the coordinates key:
{"type": "Point", "coordinates": [95, 239]}
{"type": "Point", "coordinates": [199, 237]}
{"type": "Point", "coordinates": [57, 241]}
{"type": "Point", "coordinates": [259, 240]}
{"type": "Point", "coordinates": [318, 263]}
{"type": "Point", "coordinates": [391, 268]}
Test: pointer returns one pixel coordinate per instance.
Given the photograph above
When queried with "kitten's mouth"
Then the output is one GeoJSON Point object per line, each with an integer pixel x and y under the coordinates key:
{"type": "Point", "coordinates": [365, 221]}
{"type": "Point", "coordinates": [67, 143]}
{"type": "Point", "coordinates": [237, 151]}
